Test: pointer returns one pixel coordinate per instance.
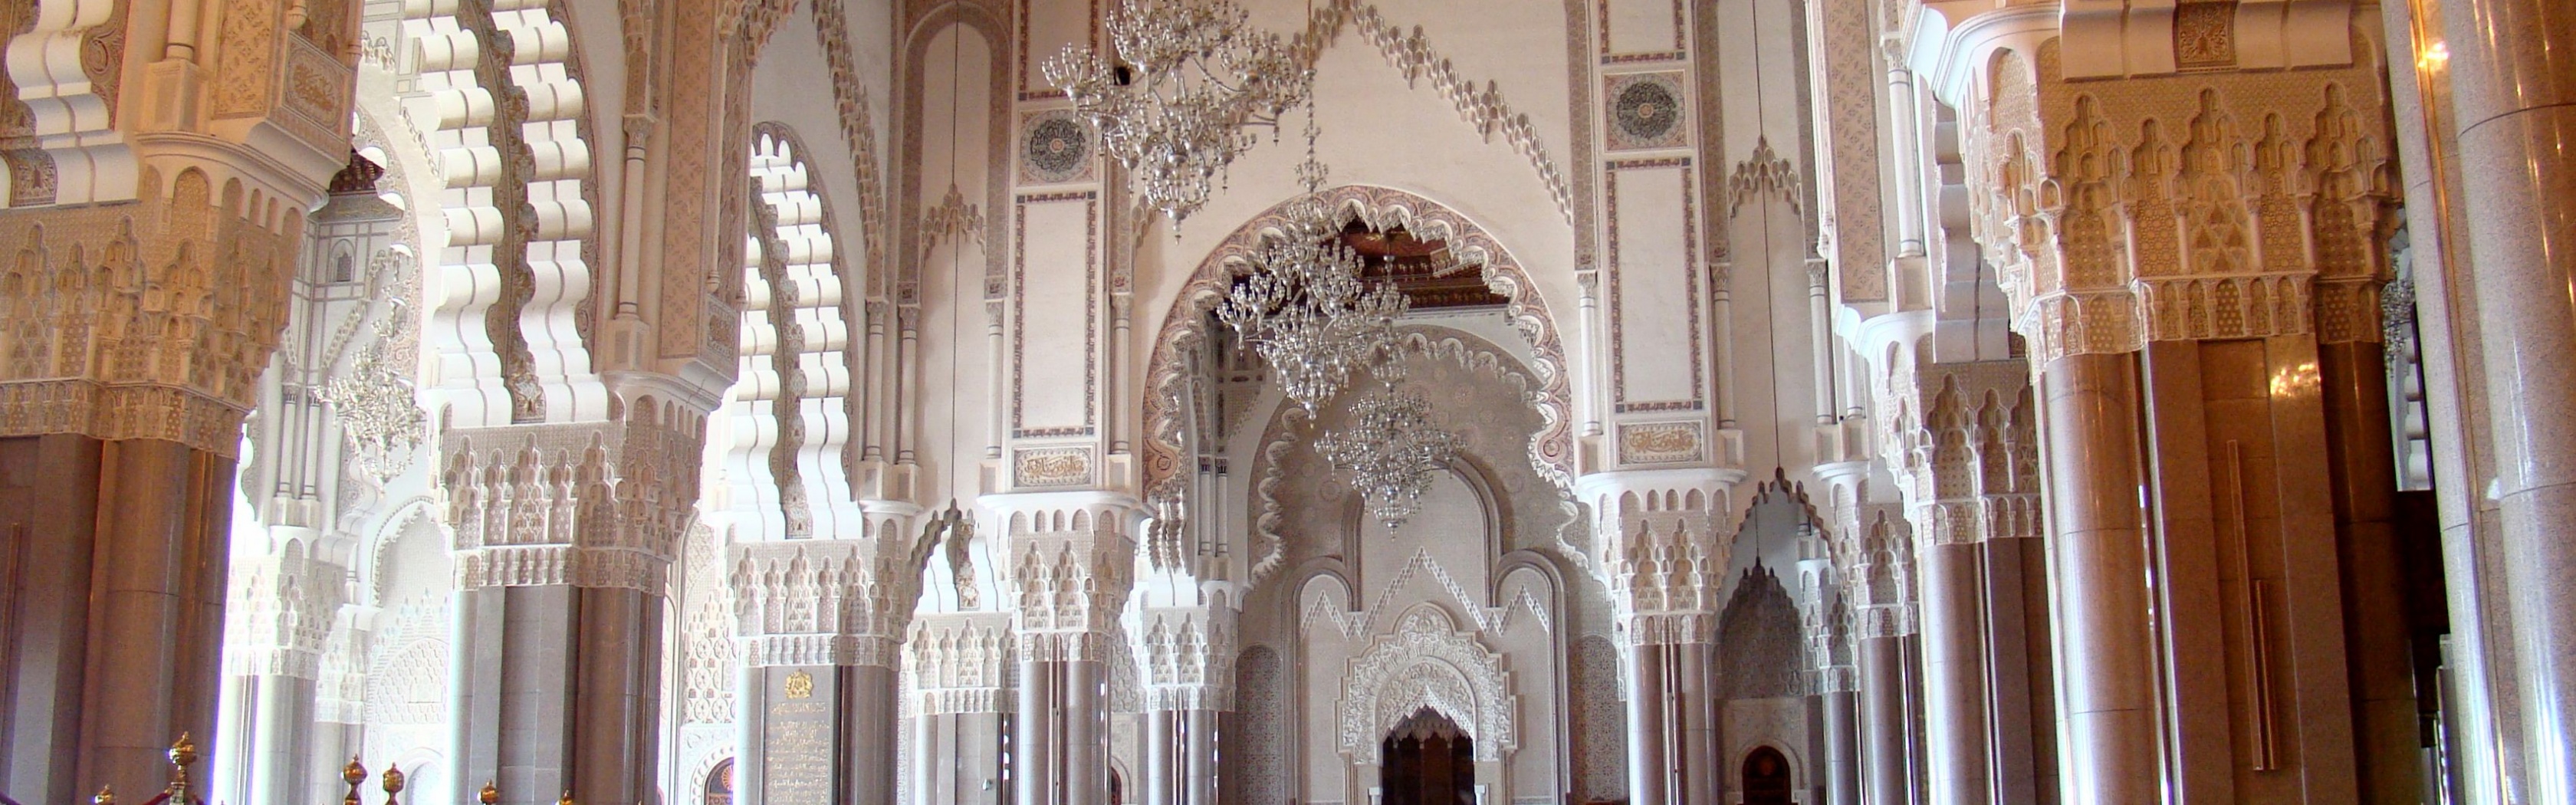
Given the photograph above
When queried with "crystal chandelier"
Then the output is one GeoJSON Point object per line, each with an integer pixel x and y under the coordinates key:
{"type": "Point", "coordinates": [1191, 78]}
{"type": "Point", "coordinates": [1306, 311]}
{"type": "Point", "coordinates": [1390, 448]}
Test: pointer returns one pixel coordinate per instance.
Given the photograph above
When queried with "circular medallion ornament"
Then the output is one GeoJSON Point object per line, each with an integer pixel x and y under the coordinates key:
{"type": "Point", "coordinates": [1647, 110]}
{"type": "Point", "coordinates": [1056, 147]}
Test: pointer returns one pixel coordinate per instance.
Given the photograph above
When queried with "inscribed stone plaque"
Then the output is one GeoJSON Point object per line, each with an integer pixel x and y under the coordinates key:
{"type": "Point", "coordinates": [797, 735]}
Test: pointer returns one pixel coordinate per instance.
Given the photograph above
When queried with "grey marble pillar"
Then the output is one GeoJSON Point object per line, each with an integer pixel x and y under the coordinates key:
{"type": "Point", "coordinates": [1650, 766]}
{"type": "Point", "coordinates": [556, 689]}
{"type": "Point", "coordinates": [2512, 70]}
{"type": "Point", "coordinates": [957, 760]}
{"type": "Point", "coordinates": [1083, 724]}
{"type": "Point", "coordinates": [281, 740]}
{"type": "Point", "coordinates": [1955, 717]}
{"type": "Point", "coordinates": [870, 714]}
{"type": "Point", "coordinates": [1033, 744]}
{"type": "Point", "coordinates": [1164, 762]}
{"type": "Point", "coordinates": [1887, 769]}
{"type": "Point", "coordinates": [1693, 689]}
{"type": "Point", "coordinates": [1200, 739]}
{"type": "Point", "coordinates": [1181, 766]}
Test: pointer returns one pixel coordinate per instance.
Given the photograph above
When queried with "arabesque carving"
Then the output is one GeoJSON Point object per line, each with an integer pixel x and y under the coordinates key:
{"type": "Point", "coordinates": [144, 321]}
{"type": "Point", "coordinates": [1428, 663]}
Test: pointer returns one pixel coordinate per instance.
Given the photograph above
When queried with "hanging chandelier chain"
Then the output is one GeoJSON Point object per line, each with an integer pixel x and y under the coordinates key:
{"type": "Point", "coordinates": [1191, 78]}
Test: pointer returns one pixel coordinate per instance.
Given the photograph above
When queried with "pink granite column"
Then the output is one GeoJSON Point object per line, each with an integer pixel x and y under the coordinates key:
{"type": "Point", "coordinates": [2378, 646]}
{"type": "Point", "coordinates": [2513, 89]}
{"type": "Point", "coordinates": [1887, 719]}
{"type": "Point", "coordinates": [1955, 727]}
{"type": "Point", "coordinates": [1650, 767]}
{"type": "Point", "coordinates": [114, 581]}
{"type": "Point", "coordinates": [2090, 441]}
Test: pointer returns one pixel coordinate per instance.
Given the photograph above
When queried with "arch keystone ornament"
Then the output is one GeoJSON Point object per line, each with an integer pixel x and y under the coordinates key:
{"type": "Point", "coordinates": [1427, 662]}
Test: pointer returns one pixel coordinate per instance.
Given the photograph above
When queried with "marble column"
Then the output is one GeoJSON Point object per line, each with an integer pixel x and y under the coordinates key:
{"type": "Point", "coordinates": [1201, 742]}
{"type": "Point", "coordinates": [114, 584]}
{"type": "Point", "coordinates": [2090, 438]}
{"type": "Point", "coordinates": [865, 734]}
{"type": "Point", "coordinates": [2512, 67]}
{"type": "Point", "coordinates": [1034, 745]}
{"type": "Point", "coordinates": [1061, 735]}
{"type": "Point", "coordinates": [1955, 716]}
{"type": "Point", "coordinates": [1164, 761]}
{"type": "Point", "coordinates": [2021, 702]}
{"type": "Point", "coordinates": [1180, 763]}
{"type": "Point", "coordinates": [1886, 717]}
{"type": "Point", "coordinates": [1842, 747]}
{"type": "Point", "coordinates": [2478, 649]}
{"type": "Point", "coordinates": [283, 728]}
{"type": "Point", "coordinates": [1651, 768]}
{"type": "Point", "coordinates": [2379, 646]}
{"type": "Point", "coordinates": [556, 689]}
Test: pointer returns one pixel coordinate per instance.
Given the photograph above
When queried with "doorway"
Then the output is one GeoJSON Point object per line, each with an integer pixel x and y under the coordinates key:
{"type": "Point", "coordinates": [1427, 760]}
{"type": "Point", "coordinates": [1766, 777]}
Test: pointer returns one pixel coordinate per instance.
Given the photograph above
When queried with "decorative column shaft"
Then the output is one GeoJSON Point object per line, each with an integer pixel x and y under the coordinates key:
{"type": "Point", "coordinates": [564, 534]}
{"type": "Point", "coordinates": [821, 623]}
{"type": "Point", "coordinates": [1072, 563]}
{"type": "Point", "coordinates": [1664, 548]}
{"type": "Point", "coordinates": [2513, 96]}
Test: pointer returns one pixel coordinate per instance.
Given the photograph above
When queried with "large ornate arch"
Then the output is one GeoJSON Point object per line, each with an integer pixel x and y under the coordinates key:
{"type": "Point", "coordinates": [1427, 662]}
{"type": "Point", "coordinates": [1551, 449]}
{"type": "Point", "coordinates": [790, 412]}
{"type": "Point", "coordinates": [509, 134]}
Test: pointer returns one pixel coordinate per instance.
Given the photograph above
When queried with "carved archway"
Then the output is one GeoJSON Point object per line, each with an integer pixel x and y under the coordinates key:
{"type": "Point", "coordinates": [1185, 328]}
{"type": "Point", "coordinates": [1428, 663]}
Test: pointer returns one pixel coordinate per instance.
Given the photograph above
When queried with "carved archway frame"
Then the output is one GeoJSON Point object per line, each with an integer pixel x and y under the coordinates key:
{"type": "Point", "coordinates": [1551, 448]}
{"type": "Point", "coordinates": [1427, 662]}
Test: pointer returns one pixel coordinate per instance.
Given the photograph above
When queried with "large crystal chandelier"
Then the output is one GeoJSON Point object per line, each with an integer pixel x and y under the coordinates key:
{"type": "Point", "coordinates": [1191, 77]}
{"type": "Point", "coordinates": [1306, 311]}
{"type": "Point", "coordinates": [1390, 449]}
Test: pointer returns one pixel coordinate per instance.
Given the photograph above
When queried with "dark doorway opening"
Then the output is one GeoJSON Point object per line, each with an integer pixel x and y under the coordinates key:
{"type": "Point", "coordinates": [1766, 777]}
{"type": "Point", "coordinates": [1427, 760]}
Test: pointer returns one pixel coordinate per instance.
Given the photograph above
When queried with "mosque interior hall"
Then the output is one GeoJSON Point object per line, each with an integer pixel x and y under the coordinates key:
{"type": "Point", "coordinates": [1288, 402]}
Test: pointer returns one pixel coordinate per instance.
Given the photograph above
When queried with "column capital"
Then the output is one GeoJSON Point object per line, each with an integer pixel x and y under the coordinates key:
{"type": "Point", "coordinates": [589, 504]}
{"type": "Point", "coordinates": [1188, 657]}
{"type": "Point", "coordinates": [959, 663]}
{"type": "Point", "coordinates": [282, 611]}
{"type": "Point", "coordinates": [1071, 560]}
{"type": "Point", "coordinates": [825, 601]}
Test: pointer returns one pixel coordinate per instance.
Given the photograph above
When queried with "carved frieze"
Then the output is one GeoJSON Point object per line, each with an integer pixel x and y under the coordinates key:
{"type": "Point", "coordinates": [1661, 443]}
{"type": "Point", "coordinates": [2200, 206]}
